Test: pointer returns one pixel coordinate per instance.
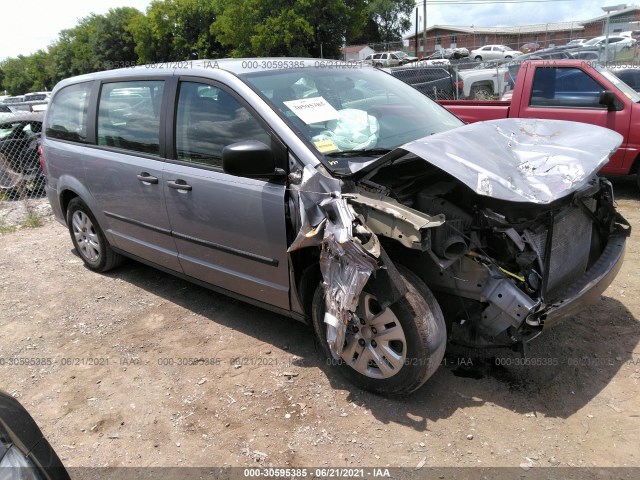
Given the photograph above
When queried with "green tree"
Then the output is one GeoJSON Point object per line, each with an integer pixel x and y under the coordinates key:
{"type": "Point", "coordinates": [176, 30]}
{"type": "Point", "coordinates": [288, 27]}
{"type": "Point", "coordinates": [17, 78]}
{"type": "Point", "coordinates": [392, 17]}
{"type": "Point", "coordinates": [112, 42]}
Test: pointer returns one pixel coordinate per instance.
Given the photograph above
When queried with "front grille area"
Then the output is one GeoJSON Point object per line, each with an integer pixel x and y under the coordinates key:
{"type": "Point", "coordinates": [570, 248]}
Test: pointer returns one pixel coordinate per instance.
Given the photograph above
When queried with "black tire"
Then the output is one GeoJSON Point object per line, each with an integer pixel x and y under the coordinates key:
{"type": "Point", "coordinates": [478, 58]}
{"type": "Point", "coordinates": [638, 178]}
{"type": "Point", "coordinates": [88, 238]}
{"type": "Point", "coordinates": [508, 57]}
{"type": "Point", "coordinates": [480, 92]}
{"type": "Point", "coordinates": [422, 324]}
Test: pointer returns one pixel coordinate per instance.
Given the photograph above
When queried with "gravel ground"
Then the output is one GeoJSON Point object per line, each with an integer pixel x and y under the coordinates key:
{"type": "Point", "coordinates": [112, 379]}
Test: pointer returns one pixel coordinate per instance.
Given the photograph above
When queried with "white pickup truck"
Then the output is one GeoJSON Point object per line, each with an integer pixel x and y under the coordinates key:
{"type": "Point", "coordinates": [483, 83]}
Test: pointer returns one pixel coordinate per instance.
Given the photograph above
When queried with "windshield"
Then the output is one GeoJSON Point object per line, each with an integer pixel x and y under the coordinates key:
{"type": "Point", "coordinates": [344, 112]}
{"type": "Point", "coordinates": [593, 41]}
{"type": "Point", "coordinates": [629, 92]}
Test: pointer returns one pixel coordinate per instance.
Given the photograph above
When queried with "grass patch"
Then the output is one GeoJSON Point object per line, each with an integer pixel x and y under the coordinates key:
{"type": "Point", "coordinates": [33, 220]}
{"type": "Point", "coordinates": [6, 229]}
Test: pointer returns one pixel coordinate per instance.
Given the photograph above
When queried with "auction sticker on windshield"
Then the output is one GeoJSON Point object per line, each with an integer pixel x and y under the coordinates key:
{"type": "Point", "coordinates": [312, 110]}
{"type": "Point", "coordinates": [325, 146]}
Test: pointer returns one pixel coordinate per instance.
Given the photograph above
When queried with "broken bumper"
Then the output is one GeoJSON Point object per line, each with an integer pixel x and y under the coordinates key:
{"type": "Point", "coordinates": [588, 289]}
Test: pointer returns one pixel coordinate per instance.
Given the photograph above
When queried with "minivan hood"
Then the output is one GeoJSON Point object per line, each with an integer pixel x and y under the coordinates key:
{"type": "Point", "coordinates": [519, 160]}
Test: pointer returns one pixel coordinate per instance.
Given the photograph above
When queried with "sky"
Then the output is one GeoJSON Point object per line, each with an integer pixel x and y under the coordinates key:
{"type": "Point", "coordinates": [26, 33]}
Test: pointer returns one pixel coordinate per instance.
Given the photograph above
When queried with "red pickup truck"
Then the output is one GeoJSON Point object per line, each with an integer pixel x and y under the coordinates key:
{"type": "Point", "coordinates": [567, 90]}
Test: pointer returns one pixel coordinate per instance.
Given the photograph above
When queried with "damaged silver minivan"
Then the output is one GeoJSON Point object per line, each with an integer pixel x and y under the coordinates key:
{"type": "Point", "coordinates": [340, 196]}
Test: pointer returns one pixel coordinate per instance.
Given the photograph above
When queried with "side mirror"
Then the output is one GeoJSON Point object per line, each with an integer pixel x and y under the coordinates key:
{"type": "Point", "coordinates": [250, 158]}
{"type": "Point", "coordinates": [608, 99]}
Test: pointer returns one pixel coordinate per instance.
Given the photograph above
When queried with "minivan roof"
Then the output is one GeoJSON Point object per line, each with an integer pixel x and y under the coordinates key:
{"type": "Point", "coordinates": [236, 66]}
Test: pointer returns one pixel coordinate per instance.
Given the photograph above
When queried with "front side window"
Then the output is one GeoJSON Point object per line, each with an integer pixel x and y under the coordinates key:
{"type": "Point", "coordinates": [129, 115]}
{"type": "Point", "coordinates": [67, 116]}
{"type": "Point", "coordinates": [565, 87]}
{"type": "Point", "coordinates": [208, 119]}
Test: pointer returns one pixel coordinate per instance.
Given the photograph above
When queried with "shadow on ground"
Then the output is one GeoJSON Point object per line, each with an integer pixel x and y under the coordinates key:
{"type": "Point", "coordinates": [566, 368]}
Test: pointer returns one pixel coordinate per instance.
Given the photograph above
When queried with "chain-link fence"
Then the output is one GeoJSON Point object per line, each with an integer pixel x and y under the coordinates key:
{"type": "Point", "coordinates": [452, 66]}
{"type": "Point", "coordinates": [21, 175]}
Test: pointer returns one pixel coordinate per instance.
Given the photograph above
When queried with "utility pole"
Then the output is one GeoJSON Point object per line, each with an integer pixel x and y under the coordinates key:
{"type": "Point", "coordinates": [424, 25]}
{"type": "Point", "coordinates": [416, 37]}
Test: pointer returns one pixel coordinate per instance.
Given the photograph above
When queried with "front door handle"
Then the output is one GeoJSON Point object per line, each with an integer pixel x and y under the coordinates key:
{"type": "Point", "coordinates": [179, 185]}
{"type": "Point", "coordinates": [145, 177]}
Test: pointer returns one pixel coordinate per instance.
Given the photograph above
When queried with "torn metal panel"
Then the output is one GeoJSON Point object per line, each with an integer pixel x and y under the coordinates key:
{"type": "Point", "coordinates": [520, 159]}
{"type": "Point", "coordinates": [312, 190]}
{"type": "Point", "coordinates": [508, 306]}
{"type": "Point", "coordinates": [346, 267]}
{"type": "Point", "coordinates": [349, 248]}
{"type": "Point", "coordinates": [386, 216]}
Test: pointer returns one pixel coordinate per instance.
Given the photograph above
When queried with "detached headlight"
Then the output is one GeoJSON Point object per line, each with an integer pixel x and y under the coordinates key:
{"type": "Point", "coordinates": [15, 465]}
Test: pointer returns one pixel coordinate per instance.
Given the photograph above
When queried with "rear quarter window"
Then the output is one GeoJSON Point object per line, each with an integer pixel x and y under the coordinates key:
{"type": "Point", "coordinates": [67, 116]}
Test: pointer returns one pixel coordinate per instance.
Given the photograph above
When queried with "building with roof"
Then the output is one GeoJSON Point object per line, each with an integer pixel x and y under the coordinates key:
{"type": "Point", "coordinates": [546, 34]}
{"type": "Point", "coordinates": [356, 52]}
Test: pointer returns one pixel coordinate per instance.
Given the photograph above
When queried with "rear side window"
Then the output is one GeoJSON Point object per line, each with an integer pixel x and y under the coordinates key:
{"type": "Point", "coordinates": [129, 115]}
{"type": "Point", "coordinates": [67, 116]}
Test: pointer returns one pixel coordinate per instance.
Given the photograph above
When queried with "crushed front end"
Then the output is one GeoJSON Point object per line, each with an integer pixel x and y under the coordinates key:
{"type": "Point", "coordinates": [505, 262]}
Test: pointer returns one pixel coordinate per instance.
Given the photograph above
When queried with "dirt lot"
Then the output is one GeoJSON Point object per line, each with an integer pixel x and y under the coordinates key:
{"type": "Point", "coordinates": [111, 388]}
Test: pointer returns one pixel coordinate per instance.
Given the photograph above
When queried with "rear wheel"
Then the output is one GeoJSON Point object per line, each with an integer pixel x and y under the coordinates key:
{"type": "Point", "coordinates": [392, 351]}
{"type": "Point", "coordinates": [88, 238]}
{"type": "Point", "coordinates": [481, 92]}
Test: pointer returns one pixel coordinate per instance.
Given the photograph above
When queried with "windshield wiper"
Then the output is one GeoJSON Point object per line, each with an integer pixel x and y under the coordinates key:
{"type": "Point", "coordinates": [367, 152]}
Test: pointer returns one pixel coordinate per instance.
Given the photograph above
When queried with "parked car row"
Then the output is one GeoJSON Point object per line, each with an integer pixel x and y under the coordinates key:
{"type": "Point", "coordinates": [30, 102]}
{"type": "Point", "coordinates": [20, 170]}
{"type": "Point", "coordinates": [389, 59]}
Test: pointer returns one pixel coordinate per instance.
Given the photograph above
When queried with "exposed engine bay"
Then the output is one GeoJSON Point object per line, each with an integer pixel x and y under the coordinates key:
{"type": "Point", "coordinates": [505, 221]}
{"type": "Point", "coordinates": [496, 266]}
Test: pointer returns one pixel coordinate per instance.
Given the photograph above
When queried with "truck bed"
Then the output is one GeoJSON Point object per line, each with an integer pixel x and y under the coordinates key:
{"type": "Point", "coordinates": [472, 111]}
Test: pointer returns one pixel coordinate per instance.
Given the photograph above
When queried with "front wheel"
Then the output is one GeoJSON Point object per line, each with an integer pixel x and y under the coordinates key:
{"type": "Point", "coordinates": [392, 351]}
{"type": "Point", "coordinates": [88, 238]}
{"type": "Point", "coordinates": [478, 58]}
